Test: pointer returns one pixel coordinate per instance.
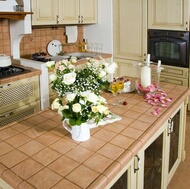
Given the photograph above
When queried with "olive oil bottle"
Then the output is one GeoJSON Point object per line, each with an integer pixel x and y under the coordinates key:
{"type": "Point", "coordinates": [84, 46]}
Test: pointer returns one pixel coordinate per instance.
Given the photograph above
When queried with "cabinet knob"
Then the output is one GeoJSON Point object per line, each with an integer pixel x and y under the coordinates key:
{"type": "Point", "coordinates": [79, 21]}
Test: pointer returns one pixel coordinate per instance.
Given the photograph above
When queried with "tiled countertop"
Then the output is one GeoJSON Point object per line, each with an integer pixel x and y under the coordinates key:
{"type": "Point", "coordinates": [38, 152]}
{"type": "Point", "coordinates": [32, 72]}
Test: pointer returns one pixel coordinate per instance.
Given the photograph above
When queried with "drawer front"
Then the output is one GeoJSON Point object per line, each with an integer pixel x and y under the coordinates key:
{"type": "Point", "coordinates": [175, 71]}
{"type": "Point", "coordinates": [176, 80]}
{"type": "Point", "coordinates": [19, 93]}
{"type": "Point", "coordinates": [19, 113]}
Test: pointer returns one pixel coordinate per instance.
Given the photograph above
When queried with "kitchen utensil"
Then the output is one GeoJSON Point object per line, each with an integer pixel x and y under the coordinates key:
{"type": "Point", "coordinates": [5, 60]}
{"type": "Point", "coordinates": [54, 47]}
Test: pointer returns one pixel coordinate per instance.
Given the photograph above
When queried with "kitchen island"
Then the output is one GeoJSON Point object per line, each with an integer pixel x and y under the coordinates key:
{"type": "Point", "coordinates": [38, 152]}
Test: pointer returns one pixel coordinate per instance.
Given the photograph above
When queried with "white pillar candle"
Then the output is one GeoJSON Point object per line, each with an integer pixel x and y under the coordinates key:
{"type": "Point", "coordinates": [148, 59]}
{"type": "Point", "coordinates": [159, 63]}
{"type": "Point", "coordinates": [145, 76]}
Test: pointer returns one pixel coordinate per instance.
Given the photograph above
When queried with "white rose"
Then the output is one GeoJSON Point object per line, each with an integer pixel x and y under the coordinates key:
{"type": "Point", "coordinates": [111, 68]}
{"type": "Point", "coordinates": [94, 109]}
{"type": "Point", "coordinates": [76, 107]}
{"type": "Point", "coordinates": [92, 98]}
{"type": "Point", "coordinates": [102, 100]}
{"type": "Point", "coordinates": [50, 64]}
{"type": "Point", "coordinates": [71, 67]}
{"type": "Point", "coordinates": [56, 104]}
{"type": "Point", "coordinates": [69, 78]}
{"type": "Point", "coordinates": [53, 77]}
{"type": "Point", "coordinates": [70, 97]}
{"type": "Point", "coordinates": [101, 108]}
{"type": "Point", "coordinates": [102, 73]}
{"type": "Point", "coordinates": [73, 60]}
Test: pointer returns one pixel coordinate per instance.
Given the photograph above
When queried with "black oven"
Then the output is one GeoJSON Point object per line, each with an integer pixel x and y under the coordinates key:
{"type": "Point", "coordinates": [171, 47]}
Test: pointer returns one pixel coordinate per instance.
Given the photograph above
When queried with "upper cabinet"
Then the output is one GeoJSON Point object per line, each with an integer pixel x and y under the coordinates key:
{"type": "Point", "coordinates": [51, 12]}
{"type": "Point", "coordinates": [130, 34]}
{"type": "Point", "coordinates": [168, 14]}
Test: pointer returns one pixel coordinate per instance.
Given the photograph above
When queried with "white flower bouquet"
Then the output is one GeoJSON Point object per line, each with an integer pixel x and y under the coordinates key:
{"type": "Point", "coordinates": [80, 87]}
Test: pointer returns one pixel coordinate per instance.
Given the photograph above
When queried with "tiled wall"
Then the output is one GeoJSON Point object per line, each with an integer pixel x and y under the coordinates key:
{"type": "Point", "coordinates": [37, 41]}
{"type": "Point", "coordinates": [5, 47]}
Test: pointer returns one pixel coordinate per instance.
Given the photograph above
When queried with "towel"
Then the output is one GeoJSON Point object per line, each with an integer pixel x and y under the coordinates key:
{"type": "Point", "coordinates": [71, 32]}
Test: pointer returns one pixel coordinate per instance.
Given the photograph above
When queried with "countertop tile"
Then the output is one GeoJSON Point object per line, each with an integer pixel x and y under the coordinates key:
{"type": "Point", "coordinates": [44, 179]}
{"type": "Point", "coordinates": [64, 183]}
{"type": "Point", "coordinates": [63, 165]}
{"type": "Point", "coordinates": [86, 176]}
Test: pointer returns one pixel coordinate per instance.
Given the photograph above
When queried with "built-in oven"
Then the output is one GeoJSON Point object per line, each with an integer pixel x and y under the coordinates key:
{"type": "Point", "coordinates": [171, 47]}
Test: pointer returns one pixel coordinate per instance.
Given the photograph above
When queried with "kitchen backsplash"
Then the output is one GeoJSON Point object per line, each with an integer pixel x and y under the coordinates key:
{"type": "Point", "coordinates": [38, 40]}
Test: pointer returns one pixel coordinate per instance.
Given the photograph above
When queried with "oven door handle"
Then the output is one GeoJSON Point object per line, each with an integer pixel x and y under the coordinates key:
{"type": "Point", "coordinates": [5, 86]}
{"type": "Point", "coordinates": [6, 115]}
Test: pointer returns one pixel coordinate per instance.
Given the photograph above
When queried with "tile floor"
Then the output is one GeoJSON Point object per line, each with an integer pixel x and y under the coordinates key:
{"type": "Point", "coordinates": [181, 178]}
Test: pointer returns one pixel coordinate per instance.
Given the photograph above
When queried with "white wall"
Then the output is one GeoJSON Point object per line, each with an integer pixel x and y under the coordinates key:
{"type": "Point", "coordinates": [102, 32]}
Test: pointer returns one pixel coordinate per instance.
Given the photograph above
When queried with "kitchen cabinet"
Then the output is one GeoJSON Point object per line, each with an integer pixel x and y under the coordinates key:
{"type": "Point", "coordinates": [19, 99]}
{"type": "Point", "coordinates": [53, 12]}
{"type": "Point", "coordinates": [130, 34]}
{"type": "Point", "coordinates": [156, 162]}
{"type": "Point", "coordinates": [169, 15]}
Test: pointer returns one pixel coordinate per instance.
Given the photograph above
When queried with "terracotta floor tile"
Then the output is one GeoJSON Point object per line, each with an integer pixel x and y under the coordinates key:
{"type": "Point", "coordinates": [104, 135]}
{"type": "Point", "coordinates": [12, 158]}
{"type": "Point", "coordinates": [106, 150]}
{"type": "Point", "coordinates": [63, 145]}
{"type": "Point", "coordinates": [44, 179]}
{"type": "Point", "coordinates": [31, 147]}
{"type": "Point", "coordinates": [18, 140]}
{"type": "Point", "coordinates": [59, 130]}
{"type": "Point", "coordinates": [98, 163]}
{"type": "Point", "coordinates": [27, 168]}
{"type": "Point", "coordinates": [7, 133]}
{"type": "Point", "coordinates": [46, 156]}
{"type": "Point", "coordinates": [123, 141]}
{"type": "Point", "coordinates": [82, 154]}
{"type": "Point", "coordinates": [63, 165]}
{"type": "Point", "coordinates": [86, 176]}
{"type": "Point", "coordinates": [47, 138]}
{"type": "Point", "coordinates": [5, 148]}
{"type": "Point", "coordinates": [65, 184]}
{"type": "Point", "coordinates": [132, 133]}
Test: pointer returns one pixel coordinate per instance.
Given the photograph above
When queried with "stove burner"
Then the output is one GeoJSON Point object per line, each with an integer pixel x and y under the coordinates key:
{"type": "Point", "coordinates": [40, 57]}
{"type": "Point", "coordinates": [11, 71]}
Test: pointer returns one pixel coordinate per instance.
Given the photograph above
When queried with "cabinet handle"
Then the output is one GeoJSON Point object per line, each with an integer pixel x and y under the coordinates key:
{"type": "Point", "coordinates": [186, 23]}
{"type": "Point", "coordinates": [6, 115]}
{"type": "Point", "coordinates": [144, 56]}
{"type": "Point", "coordinates": [57, 19]}
{"type": "Point", "coordinates": [79, 19]}
{"type": "Point", "coordinates": [136, 163]}
{"type": "Point", "coordinates": [170, 126]}
{"type": "Point", "coordinates": [5, 86]}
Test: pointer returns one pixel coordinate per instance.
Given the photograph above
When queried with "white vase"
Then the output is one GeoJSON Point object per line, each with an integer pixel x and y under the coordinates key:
{"type": "Point", "coordinates": [78, 133]}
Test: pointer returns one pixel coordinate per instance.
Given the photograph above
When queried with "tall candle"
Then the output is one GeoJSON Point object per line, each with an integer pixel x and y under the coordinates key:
{"type": "Point", "coordinates": [145, 76]}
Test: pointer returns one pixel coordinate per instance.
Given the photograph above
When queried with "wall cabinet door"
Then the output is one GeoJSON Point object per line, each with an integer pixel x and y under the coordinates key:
{"type": "Point", "coordinates": [130, 31]}
{"type": "Point", "coordinates": [168, 14]}
{"type": "Point", "coordinates": [53, 12]}
{"type": "Point", "coordinates": [88, 11]}
{"type": "Point", "coordinates": [44, 12]}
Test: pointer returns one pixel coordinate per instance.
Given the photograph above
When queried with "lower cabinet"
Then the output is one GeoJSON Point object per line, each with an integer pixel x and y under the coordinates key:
{"type": "Point", "coordinates": [155, 164]}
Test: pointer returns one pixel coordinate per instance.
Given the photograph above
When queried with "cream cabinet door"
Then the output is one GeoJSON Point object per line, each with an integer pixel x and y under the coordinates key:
{"type": "Point", "coordinates": [168, 14]}
{"type": "Point", "coordinates": [88, 11]}
{"type": "Point", "coordinates": [45, 12]}
{"type": "Point", "coordinates": [69, 11]}
{"type": "Point", "coordinates": [130, 33]}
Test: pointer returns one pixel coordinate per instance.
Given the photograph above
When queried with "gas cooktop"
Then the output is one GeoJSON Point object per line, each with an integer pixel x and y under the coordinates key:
{"type": "Point", "coordinates": [11, 71]}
